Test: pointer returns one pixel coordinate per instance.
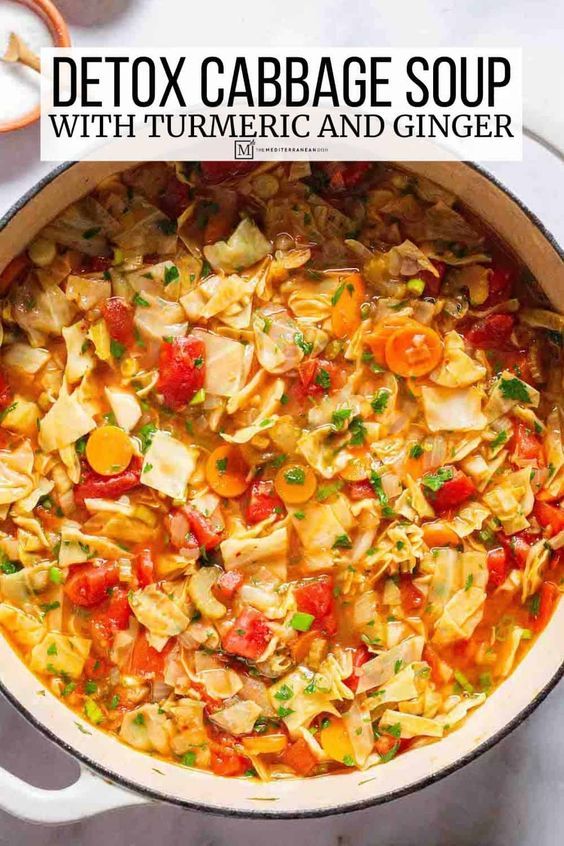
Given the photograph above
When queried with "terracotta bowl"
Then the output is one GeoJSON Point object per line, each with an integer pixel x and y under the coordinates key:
{"type": "Point", "coordinates": [132, 777]}
{"type": "Point", "coordinates": [61, 38]}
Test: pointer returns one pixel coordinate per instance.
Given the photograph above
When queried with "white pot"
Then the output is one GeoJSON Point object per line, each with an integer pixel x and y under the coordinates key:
{"type": "Point", "coordinates": [132, 777]}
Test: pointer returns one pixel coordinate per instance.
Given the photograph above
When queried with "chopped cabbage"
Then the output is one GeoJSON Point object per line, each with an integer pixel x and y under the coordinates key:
{"type": "Point", "coordinates": [168, 465]}
{"type": "Point", "coordinates": [60, 655]}
{"type": "Point", "coordinates": [159, 614]}
{"type": "Point", "coordinates": [225, 364]}
{"type": "Point", "coordinates": [65, 422]}
{"type": "Point", "coordinates": [238, 718]}
{"type": "Point", "coordinates": [457, 369]}
{"type": "Point", "coordinates": [453, 409]}
{"type": "Point", "coordinates": [244, 247]}
{"type": "Point", "coordinates": [125, 407]}
{"type": "Point", "coordinates": [379, 670]}
{"type": "Point", "coordinates": [511, 500]}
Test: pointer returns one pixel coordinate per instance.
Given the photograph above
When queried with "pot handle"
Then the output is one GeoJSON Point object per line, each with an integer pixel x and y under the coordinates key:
{"type": "Point", "coordinates": [89, 795]}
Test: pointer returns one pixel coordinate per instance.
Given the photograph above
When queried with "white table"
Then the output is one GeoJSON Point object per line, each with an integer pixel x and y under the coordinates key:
{"type": "Point", "coordinates": [513, 795]}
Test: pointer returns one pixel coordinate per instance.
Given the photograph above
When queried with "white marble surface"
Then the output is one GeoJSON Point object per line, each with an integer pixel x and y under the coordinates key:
{"type": "Point", "coordinates": [513, 795]}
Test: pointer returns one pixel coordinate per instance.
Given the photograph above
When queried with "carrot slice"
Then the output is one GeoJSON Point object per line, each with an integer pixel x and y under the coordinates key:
{"type": "Point", "coordinates": [335, 740]}
{"type": "Point", "coordinates": [378, 338]}
{"type": "Point", "coordinates": [346, 303]}
{"type": "Point", "coordinates": [109, 450]}
{"type": "Point", "coordinates": [439, 534]}
{"type": "Point", "coordinates": [226, 471]}
{"type": "Point", "coordinates": [295, 484]}
{"type": "Point", "coordinates": [413, 350]}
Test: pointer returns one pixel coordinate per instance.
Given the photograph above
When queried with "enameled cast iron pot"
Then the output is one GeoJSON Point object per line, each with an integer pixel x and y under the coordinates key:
{"type": "Point", "coordinates": [131, 777]}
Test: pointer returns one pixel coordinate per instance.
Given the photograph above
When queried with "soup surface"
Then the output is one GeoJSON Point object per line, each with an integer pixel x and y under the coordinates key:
{"type": "Point", "coordinates": [281, 464]}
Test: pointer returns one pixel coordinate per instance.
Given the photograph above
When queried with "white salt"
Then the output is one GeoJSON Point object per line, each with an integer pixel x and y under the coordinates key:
{"type": "Point", "coordinates": [19, 85]}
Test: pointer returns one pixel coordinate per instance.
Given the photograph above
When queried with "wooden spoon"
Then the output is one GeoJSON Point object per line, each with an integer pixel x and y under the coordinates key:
{"type": "Point", "coordinates": [18, 51]}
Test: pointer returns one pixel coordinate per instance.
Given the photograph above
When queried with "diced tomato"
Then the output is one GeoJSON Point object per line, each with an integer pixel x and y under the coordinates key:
{"type": "Point", "coordinates": [110, 617]}
{"type": "Point", "coordinates": [263, 502]}
{"type": "Point", "coordinates": [249, 635]}
{"type": "Point", "coordinates": [498, 566]}
{"type": "Point", "coordinates": [492, 332]}
{"type": "Point", "coordinates": [500, 285]}
{"type": "Point", "coordinates": [299, 757]}
{"type": "Point", "coordinates": [411, 597]}
{"type": "Point", "coordinates": [96, 668]}
{"type": "Point", "coordinates": [226, 761]}
{"type": "Point", "coordinates": [88, 584]}
{"type": "Point", "coordinates": [214, 172]}
{"type": "Point", "coordinates": [188, 521]}
{"type": "Point", "coordinates": [385, 743]}
{"type": "Point", "coordinates": [315, 596]}
{"type": "Point", "coordinates": [92, 484]}
{"type": "Point", "coordinates": [525, 444]}
{"type": "Point", "coordinates": [318, 377]}
{"type": "Point", "coordinates": [146, 661]}
{"type": "Point", "coordinates": [452, 493]}
{"type": "Point", "coordinates": [360, 657]}
{"type": "Point", "coordinates": [175, 198]}
{"type": "Point", "coordinates": [342, 176]}
{"type": "Point", "coordinates": [548, 595]}
{"type": "Point", "coordinates": [435, 663]}
{"type": "Point", "coordinates": [517, 547]}
{"type": "Point", "coordinates": [95, 264]}
{"type": "Point", "coordinates": [433, 283]}
{"type": "Point", "coordinates": [360, 490]}
{"type": "Point", "coordinates": [549, 516]}
{"type": "Point", "coordinates": [144, 567]}
{"type": "Point", "coordinates": [118, 315]}
{"type": "Point", "coordinates": [517, 361]}
{"type": "Point", "coordinates": [182, 370]}
{"type": "Point", "coordinates": [229, 583]}
{"type": "Point", "coordinates": [5, 392]}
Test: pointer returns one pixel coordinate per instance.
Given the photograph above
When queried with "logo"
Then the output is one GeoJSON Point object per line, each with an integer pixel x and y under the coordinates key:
{"type": "Point", "coordinates": [245, 150]}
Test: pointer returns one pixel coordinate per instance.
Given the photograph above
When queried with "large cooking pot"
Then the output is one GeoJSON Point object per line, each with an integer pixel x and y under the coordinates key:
{"type": "Point", "coordinates": [131, 777]}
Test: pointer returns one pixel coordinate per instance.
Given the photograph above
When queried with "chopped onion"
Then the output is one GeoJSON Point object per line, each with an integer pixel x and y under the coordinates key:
{"type": "Point", "coordinates": [435, 452]}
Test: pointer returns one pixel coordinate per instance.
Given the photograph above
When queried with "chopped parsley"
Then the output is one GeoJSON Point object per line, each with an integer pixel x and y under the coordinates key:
{"type": "Point", "coordinates": [357, 430]}
{"type": "Point", "coordinates": [394, 730]}
{"type": "Point", "coordinates": [533, 604]}
{"type": "Point", "coordinates": [416, 451]}
{"type": "Point", "coordinates": [284, 712]}
{"type": "Point", "coordinates": [380, 401]}
{"type": "Point", "coordinates": [221, 465]}
{"type": "Point", "coordinates": [340, 417]}
{"type": "Point", "coordinates": [377, 486]}
{"type": "Point", "coordinates": [326, 491]}
{"type": "Point", "coordinates": [342, 542]}
{"type": "Point", "coordinates": [138, 300]}
{"type": "Point", "coordinates": [469, 581]}
{"type": "Point", "coordinates": [499, 439]}
{"type": "Point", "coordinates": [338, 294]}
{"type": "Point", "coordinates": [90, 687]}
{"type": "Point", "coordinates": [348, 761]}
{"type": "Point", "coordinates": [435, 481]}
{"type": "Point", "coordinates": [305, 346]}
{"type": "Point", "coordinates": [139, 719]}
{"type": "Point", "coordinates": [295, 476]}
{"type": "Point", "coordinates": [514, 389]}
{"type": "Point", "coordinates": [117, 349]}
{"type": "Point", "coordinates": [171, 274]}
{"type": "Point", "coordinates": [91, 233]}
{"type": "Point", "coordinates": [145, 435]}
{"type": "Point", "coordinates": [391, 753]}
{"type": "Point", "coordinates": [323, 379]}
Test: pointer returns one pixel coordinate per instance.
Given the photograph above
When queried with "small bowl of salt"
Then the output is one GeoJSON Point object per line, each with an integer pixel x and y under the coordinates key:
{"type": "Point", "coordinates": [25, 27]}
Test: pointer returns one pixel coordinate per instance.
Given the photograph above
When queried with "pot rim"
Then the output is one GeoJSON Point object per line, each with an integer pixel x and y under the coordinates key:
{"type": "Point", "coordinates": [346, 807]}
